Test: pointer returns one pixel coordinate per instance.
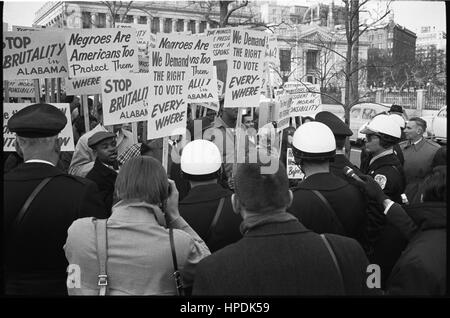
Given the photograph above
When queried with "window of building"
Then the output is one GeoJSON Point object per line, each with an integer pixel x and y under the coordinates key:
{"type": "Point", "coordinates": [180, 25]}
{"type": "Point", "coordinates": [167, 25]}
{"type": "Point", "coordinates": [142, 20]}
{"type": "Point", "coordinates": [380, 36]}
{"type": "Point", "coordinates": [101, 20]}
{"type": "Point", "coordinates": [117, 18]}
{"type": "Point", "coordinates": [355, 112]}
{"type": "Point", "coordinates": [311, 61]}
{"type": "Point", "coordinates": [191, 26]}
{"type": "Point", "coordinates": [86, 19]}
{"type": "Point", "coordinates": [128, 19]}
{"type": "Point", "coordinates": [390, 35]}
{"type": "Point", "coordinates": [380, 46]}
{"type": "Point", "coordinates": [202, 26]}
{"type": "Point", "coordinates": [368, 113]}
{"type": "Point", "coordinates": [155, 25]}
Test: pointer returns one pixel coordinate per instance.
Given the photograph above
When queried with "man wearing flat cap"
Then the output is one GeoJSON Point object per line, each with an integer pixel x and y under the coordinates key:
{"type": "Point", "coordinates": [104, 172]}
{"type": "Point", "coordinates": [41, 202]}
{"type": "Point", "coordinates": [341, 132]}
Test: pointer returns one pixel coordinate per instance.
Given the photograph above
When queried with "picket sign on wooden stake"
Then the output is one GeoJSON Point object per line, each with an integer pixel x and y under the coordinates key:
{"type": "Point", "coordinates": [84, 102]}
{"type": "Point", "coordinates": [204, 111]}
{"type": "Point", "coordinates": [165, 157]}
{"type": "Point", "coordinates": [238, 134]}
{"type": "Point", "coordinates": [194, 111]}
{"type": "Point", "coordinates": [47, 98]}
{"type": "Point", "coordinates": [37, 90]}
{"type": "Point", "coordinates": [96, 105]}
{"type": "Point", "coordinates": [144, 131]}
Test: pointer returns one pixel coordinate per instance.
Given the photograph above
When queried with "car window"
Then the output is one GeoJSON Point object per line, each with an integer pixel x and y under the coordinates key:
{"type": "Point", "coordinates": [355, 112]}
{"type": "Point", "coordinates": [443, 113]}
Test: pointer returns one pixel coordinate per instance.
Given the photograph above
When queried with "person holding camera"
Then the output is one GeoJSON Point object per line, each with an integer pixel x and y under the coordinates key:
{"type": "Point", "coordinates": [144, 241]}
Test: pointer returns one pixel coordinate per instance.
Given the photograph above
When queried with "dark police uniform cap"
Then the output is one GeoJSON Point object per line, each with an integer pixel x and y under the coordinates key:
{"type": "Point", "coordinates": [37, 121]}
{"type": "Point", "coordinates": [99, 137]}
{"type": "Point", "coordinates": [337, 126]}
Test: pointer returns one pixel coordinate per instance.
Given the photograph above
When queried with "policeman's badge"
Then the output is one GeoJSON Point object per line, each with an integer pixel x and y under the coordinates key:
{"type": "Point", "coordinates": [381, 180]}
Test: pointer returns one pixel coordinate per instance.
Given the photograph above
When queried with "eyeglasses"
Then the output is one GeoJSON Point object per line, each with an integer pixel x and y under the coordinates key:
{"type": "Point", "coordinates": [369, 137]}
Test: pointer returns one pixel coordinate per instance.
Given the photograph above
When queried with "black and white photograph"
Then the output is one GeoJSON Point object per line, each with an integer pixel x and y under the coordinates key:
{"type": "Point", "coordinates": [203, 150]}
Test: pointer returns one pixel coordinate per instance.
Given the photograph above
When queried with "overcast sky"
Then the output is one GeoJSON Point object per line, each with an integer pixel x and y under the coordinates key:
{"type": "Point", "coordinates": [411, 14]}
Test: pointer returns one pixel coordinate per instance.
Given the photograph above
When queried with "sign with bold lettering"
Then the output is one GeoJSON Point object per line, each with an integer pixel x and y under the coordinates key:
{"type": "Point", "coordinates": [292, 169]}
{"type": "Point", "coordinates": [125, 98]}
{"type": "Point", "coordinates": [95, 52]}
{"type": "Point", "coordinates": [221, 43]}
{"type": "Point", "coordinates": [202, 87]}
{"type": "Point", "coordinates": [283, 108]}
{"type": "Point", "coordinates": [18, 28]}
{"type": "Point", "coordinates": [83, 86]}
{"type": "Point", "coordinates": [66, 135]}
{"type": "Point", "coordinates": [33, 55]}
{"type": "Point", "coordinates": [21, 89]}
{"type": "Point", "coordinates": [169, 84]}
{"type": "Point", "coordinates": [305, 100]}
{"type": "Point", "coordinates": [245, 68]}
{"type": "Point", "coordinates": [145, 40]}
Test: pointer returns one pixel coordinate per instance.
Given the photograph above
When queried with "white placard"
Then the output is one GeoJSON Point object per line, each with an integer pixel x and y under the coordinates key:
{"type": "Point", "coordinates": [221, 42]}
{"type": "Point", "coordinates": [33, 55]}
{"type": "Point", "coordinates": [283, 108]}
{"type": "Point", "coordinates": [304, 101]}
{"type": "Point", "coordinates": [169, 81]}
{"type": "Point", "coordinates": [83, 85]}
{"type": "Point", "coordinates": [21, 89]}
{"type": "Point", "coordinates": [19, 28]}
{"type": "Point", "coordinates": [245, 68]}
{"type": "Point", "coordinates": [9, 138]}
{"type": "Point", "coordinates": [125, 98]}
{"type": "Point", "coordinates": [292, 169]}
{"type": "Point", "coordinates": [95, 52]}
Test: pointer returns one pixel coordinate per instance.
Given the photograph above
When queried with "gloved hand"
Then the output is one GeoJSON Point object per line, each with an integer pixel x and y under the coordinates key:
{"type": "Point", "coordinates": [372, 189]}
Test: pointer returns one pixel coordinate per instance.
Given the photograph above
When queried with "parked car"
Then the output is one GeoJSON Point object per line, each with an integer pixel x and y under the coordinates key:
{"type": "Point", "coordinates": [361, 114]}
{"type": "Point", "coordinates": [437, 125]}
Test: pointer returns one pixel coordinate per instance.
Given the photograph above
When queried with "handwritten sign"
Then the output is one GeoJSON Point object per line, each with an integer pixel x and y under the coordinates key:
{"type": "Point", "coordinates": [221, 42]}
{"type": "Point", "coordinates": [95, 52]}
{"type": "Point", "coordinates": [83, 85]}
{"type": "Point", "coordinates": [292, 169]}
{"type": "Point", "coordinates": [125, 98]}
{"type": "Point", "coordinates": [170, 65]}
{"type": "Point", "coordinates": [33, 55]}
{"type": "Point", "coordinates": [305, 100]}
{"type": "Point", "coordinates": [283, 110]}
{"type": "Point", "coordinates": [203, 79]}
{"type": "Point", "coordinates": [19, 28]}
{"type": "Point", "coordinates": [145, 40]}
{"type": "Point", "coordinates": [21, 89]}
{"type": "Point", "coordinates": [245, 68]}
{"type": "Point", "coordinates": [9, 109]}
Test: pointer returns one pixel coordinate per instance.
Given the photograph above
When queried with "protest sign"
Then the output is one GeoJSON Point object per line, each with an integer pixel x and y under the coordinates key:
{"type": "Point", "coordinates": [21, 89]}
{"type": "Point", "coordinates": [5, 26]}
{"type": "Point", "coordinates": [221, 42]}
{"type": "Point", "coordinates": [169, 83]}
{"type": "Point", "coordinates": [19, 28]}
{"type": "Point", "coordinates": [292, 169]}
{"type": "Point", "coordinates": [125, 98]}
{"type": "Point", "coordinates": [33, 55]}
{"type": "Point", "coordinates": [66, 135]}
{"type": "Point", "coordinates": [83, 86]}
{"type": "Point", "coordinates": [202, 87]}
{"type": "Point", "coordinates": [283, 108]}
{"type": "Point", "coordinates": [95, 52]}
{"type": "Point", "coordinates": [245, 68]}
{"type": "Point", "coordinates": [304, 101]}
{"type": "Point", "coordinates": [144, 38]}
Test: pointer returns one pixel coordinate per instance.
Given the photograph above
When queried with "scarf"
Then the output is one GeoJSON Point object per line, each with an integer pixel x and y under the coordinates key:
{"type": "Point", "coordinates": [277, 216]}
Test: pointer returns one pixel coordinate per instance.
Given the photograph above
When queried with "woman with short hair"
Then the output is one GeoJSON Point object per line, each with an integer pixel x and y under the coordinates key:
{"type": "Point", "coordinates": [139, 256]}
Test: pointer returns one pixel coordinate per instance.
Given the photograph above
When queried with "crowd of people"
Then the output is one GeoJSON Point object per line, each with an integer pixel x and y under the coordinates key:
{"type": "Point", "coordinates": [118, 220]}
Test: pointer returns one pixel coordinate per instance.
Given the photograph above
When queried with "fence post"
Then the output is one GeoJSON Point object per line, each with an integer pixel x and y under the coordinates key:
{"type": "Point", "coordinates": [420, 101]}
{"type": "Point", "coordinates": [378, 96]}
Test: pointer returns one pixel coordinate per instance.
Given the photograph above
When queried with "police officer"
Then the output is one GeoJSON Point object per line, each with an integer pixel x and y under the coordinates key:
{"type": "Point", "coordinates": [207, 207]}
{"type": "Point", "coordinates": [41, 202]}
{"type": "Point", "coordinates": [324, 202]}
{"type": "Point", "coordinates": [382, 133]}
{"type": "Point", "coordinates": [341, 132]}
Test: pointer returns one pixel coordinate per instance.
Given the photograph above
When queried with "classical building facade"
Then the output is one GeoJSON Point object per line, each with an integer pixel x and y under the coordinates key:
{"type": "Point", "coordinates": [162, 16]}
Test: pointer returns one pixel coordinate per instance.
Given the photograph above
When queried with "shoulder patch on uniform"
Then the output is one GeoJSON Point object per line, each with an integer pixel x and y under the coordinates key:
{"type": "Point", "coordinates": [433, 143]}
{"type": "Point", "coordinates": [381, 180]}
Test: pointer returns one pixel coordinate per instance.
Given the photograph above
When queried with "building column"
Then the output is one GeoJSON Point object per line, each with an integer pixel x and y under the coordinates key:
{"type": "Point", "coordinates": [208, 25]}
{"type": "Point", "coordinates": [94, 20]}
{"type": "Point", "coordinates": [174, 25]}
{"type": "Point", "coordinates": [135, 19]}
{"type": "Point", "coordinates": [197, 27]}
{"type": "Point", "coordinates": [108, 21]}
{"type": "Point", "coordinates": [186, 24]}
{"type": "Point", "coordinates": [149, 23]}
{"type": "Point", "coordinates": [161, 24]}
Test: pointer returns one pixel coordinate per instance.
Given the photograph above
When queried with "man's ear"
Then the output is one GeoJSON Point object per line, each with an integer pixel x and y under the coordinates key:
{"type": "Point", "coordinates": [235, 204]}
{"type": "Point", "coordinates": [58, 144]}
{"type": "Point", "coordinates": [291, 198]}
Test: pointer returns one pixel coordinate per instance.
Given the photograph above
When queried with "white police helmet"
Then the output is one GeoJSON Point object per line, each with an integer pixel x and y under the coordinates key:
{"type": "Point", "coordinates": [384, 125]}
{"type": "Point", "coordinates": [201, 160]}
{"type": "Point", "coordinates": [399, 120]}
{"type": "Point", "coordinates": [313, 140]}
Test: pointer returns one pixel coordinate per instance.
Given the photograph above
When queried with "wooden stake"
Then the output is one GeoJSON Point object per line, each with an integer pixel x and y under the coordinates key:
{"type": "Point", "coordinates": [37, 91]}
{"type": "Point", "coordinates": [238, 134]}
{"type": "Point", "coordinates": [46, 89]}
{"type": "Point", "coordinates": [144, 131]}
{"type": "Point", "coordinates": [204, 111]}
{"type": "Point", "coordinates": [135, 132]}
{"type": "Point", "coordinates": [165, 157]}
{"type": "Point", "coordinates": [84, 102]}
{"type": "Point", "coordinates": [6, 88]}
{"type": "Point", "coordinates": [58, 90]}
{"type": "Point", "coordinates": [53, 94]}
